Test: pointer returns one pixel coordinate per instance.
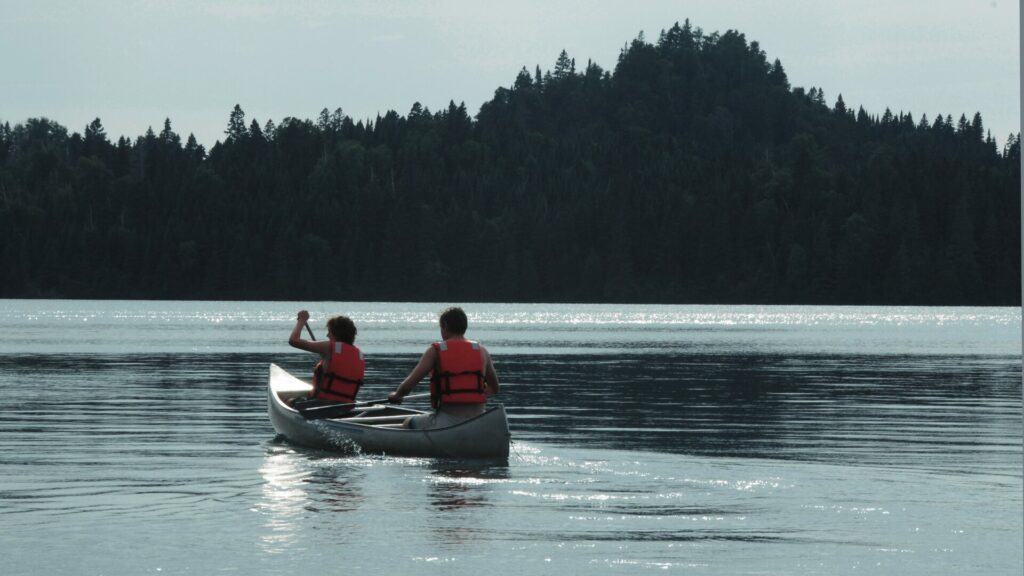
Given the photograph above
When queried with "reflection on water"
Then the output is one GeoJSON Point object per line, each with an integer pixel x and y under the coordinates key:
{"type": "Point", "coordinates": [284, 500]}
{"type": "Point", "coordinates": [455, 485]}
{"type": "Point", "coordinates": [299, 483]}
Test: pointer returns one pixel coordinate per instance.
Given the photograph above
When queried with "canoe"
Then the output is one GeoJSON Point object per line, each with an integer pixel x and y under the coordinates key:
{"type": "Point", "coordinates": [375, 428]}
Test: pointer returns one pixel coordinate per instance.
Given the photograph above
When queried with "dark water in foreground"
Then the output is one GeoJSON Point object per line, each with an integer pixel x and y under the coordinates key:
{"type": "Point", "coordinates": [691, 440]}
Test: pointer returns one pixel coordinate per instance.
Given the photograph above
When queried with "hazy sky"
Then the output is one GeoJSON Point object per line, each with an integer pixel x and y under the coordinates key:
{"type": "Point", "coordinates": [134, 63]}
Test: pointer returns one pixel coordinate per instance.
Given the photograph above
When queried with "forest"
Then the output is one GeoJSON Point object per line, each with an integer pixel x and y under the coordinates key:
{"type": "Point", "coordinates": [692, 172]}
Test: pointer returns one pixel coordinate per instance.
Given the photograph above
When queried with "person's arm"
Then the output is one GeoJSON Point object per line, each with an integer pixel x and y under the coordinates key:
{"type": "Point", "coordinates": [423, 367]}
{"type": "Point", "coordinates": [322, 347]}
{"type": "Point", "coordinates": [491, 385]}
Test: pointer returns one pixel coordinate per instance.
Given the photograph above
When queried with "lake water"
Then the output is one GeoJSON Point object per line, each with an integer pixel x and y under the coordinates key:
{"type": "Point", "coordinates": [646, 439]}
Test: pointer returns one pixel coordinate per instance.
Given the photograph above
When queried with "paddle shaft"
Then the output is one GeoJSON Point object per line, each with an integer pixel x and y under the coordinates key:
{"type": "Point", "coordinates": [388, 400]}
{"type": "Point", "coordinates": [333, 410]}
{"type": "Point", "coordinates": [311, 337]}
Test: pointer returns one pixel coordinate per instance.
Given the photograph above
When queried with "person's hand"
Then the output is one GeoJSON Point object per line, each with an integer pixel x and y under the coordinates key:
{"type": "Point", "coordinates": [395, 398]}
{"type": "Point", "coordinates": [303, 317]}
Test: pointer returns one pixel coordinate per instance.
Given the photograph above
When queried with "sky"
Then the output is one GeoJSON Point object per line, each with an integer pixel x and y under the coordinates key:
{"type": "Point", "coordinates": [134, 63]}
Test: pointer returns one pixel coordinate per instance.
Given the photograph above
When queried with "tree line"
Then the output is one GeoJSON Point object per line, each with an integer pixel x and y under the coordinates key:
{"type": "Point", "coordinates": [690, 173]}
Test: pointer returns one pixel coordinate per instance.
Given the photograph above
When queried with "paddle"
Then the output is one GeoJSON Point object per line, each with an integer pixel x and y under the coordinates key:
{"type": "Point", "coordinates": [311, 337]}
{"type": "Point", "coordinates": [335, 410]}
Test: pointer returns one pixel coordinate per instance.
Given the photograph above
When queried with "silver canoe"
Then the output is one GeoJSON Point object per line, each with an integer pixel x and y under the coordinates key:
{"type": "Point", "coordinates": [376, 428]}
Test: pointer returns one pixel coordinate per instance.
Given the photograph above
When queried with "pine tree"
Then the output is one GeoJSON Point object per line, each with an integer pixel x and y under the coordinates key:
{"type": "Point", "coordinates": [977, 129]}
{"type": "Point", "coordinates": [563, 66]}
{"type": "Point", "coordinates": [255, 132]}
{"type": "Point", "coordinates": [819, 98]}
{"type": "Point", "coordinates": [236, 124]}
{"type": "Point", "coordinates": [840, 108]}
{"type": "Point", "coordinates": [94, 132]}
{"type": "Point", "coordinates": [962, 127]}
{"type": "Point", "coordinates": [523, 81]}
{"type": "Point", "coordinates": [324, 121]}
{"type": "Point", "coordinates": [777, 75]}
{"type": "Point", "coordinates": [95, 141]}
{"type": "Point", "coordinates": [193, 150]}
{"type": "Point", "coordinates": [167, 136]}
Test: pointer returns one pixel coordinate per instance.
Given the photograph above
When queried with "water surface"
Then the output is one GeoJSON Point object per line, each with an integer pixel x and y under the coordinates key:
{"type": "Point", "coordinates": [682, 439]}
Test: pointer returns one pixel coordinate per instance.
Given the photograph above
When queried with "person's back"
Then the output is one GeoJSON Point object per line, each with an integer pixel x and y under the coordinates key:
{"type": "Point", "coordinates": [338, 378]}
{"type": "Point", "coordinates": [457, 382]}
{"type": "Point", "coordinates": [462, 375]}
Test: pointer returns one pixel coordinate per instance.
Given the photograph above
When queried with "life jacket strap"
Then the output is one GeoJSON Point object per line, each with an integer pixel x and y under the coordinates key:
{"type": "Point", "coordinates": [331, 378]}
{"type": "Point", "coordinates": [446, 377]}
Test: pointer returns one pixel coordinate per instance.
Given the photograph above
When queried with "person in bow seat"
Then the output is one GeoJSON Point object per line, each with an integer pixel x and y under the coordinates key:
{"type": "Point", "coordinates": [339, 373]}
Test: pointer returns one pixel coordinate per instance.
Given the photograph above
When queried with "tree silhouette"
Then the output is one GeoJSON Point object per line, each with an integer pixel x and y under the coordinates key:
{"type": "Point", "coordinates": [691, 172]}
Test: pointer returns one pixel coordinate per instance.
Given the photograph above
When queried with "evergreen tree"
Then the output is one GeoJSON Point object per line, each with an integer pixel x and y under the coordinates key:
{"type": "Point", "coordinates": [840, 107]}
{"type": "Point", "coordinates": [255, 132]}
{"type": "Point", "coordinates": [167, 136]}
{"type": "Point", "coordinates": [777, 75]}
{"type": "Point", "coordinates": [523, 81]}
{"type": "Point", "coordinates": [563, 66]}
{"type": "Point", "coordinates": [236, 124]}
{"type": "Point", "coordinates": [194, 150]}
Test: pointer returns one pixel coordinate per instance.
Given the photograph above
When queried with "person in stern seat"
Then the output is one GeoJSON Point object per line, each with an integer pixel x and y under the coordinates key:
{"type": "Point", "coordinates": [462, 376]}
{"type": "Point", "coordinates": [339, 373]}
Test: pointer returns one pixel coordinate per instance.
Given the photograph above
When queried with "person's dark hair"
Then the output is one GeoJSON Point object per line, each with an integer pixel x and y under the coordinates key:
{"type": "Point", "coordinates": [342, 328]}
{"type": "Point", "coordinates": [454, 320]}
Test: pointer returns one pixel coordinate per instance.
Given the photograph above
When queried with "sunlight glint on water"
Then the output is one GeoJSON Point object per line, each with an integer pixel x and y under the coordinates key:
{"type": "Point", "coordinates": [209, 327]}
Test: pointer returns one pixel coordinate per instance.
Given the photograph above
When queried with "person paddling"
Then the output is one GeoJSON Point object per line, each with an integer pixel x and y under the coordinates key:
{"type": "Point", "coordinates": [339, 373]}
{"type": "Point", "coordinates": [462, 376]}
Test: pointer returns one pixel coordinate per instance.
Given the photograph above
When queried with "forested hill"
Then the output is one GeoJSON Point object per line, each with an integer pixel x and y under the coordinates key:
{"type": "Point", "coordinates": [691, 173]}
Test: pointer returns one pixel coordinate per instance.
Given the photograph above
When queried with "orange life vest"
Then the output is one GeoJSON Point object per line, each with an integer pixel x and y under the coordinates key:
{"type": "Point", "coordinates": [341, 379]}
{"type": "Point", "coordinates": [458, 376]}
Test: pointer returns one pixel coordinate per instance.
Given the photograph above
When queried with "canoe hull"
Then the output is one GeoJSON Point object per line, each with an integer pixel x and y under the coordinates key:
{"type": "Point", "coordinates": [484, 436]}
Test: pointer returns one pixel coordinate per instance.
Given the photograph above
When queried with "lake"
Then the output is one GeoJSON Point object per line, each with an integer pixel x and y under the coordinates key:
{"type": "Point", "coordinates": [674, 439]}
